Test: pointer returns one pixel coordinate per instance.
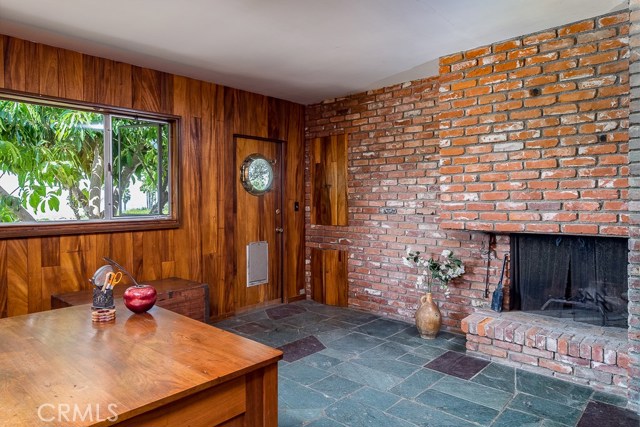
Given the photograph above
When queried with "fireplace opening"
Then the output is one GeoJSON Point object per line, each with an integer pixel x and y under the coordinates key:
{"type": "Point", "coordinates": [576, 277]}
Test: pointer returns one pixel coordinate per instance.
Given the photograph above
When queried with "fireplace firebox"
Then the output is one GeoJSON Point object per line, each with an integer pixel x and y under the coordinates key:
{"type": "Point", "coordinates": [582, 278]}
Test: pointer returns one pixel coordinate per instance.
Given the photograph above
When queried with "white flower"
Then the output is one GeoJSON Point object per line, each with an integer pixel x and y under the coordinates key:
{"type": "Point", "coordinates": [446, 253]}
{"type": "Point", "coordinates": [406, 262]}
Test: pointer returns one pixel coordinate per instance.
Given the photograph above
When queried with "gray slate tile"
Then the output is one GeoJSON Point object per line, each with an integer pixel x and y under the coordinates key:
{"type": "Point", "coordinates": [458, 407]}
{"type": "Point", "coordinates": [611, 399]}
{"type": "Point", "coordinates": [336, 386]}
{"type": "Point", "coordinates": [378, 399]}
{"type": "Point", "coordinates": [302, 373]}
{"type": "Point", "coordinates": [497, 376]}
{"type": "Point", "coordinates": [511, 418]}
{"type": "Point", "coordinates": [477, 393]}
{"type": "Point", "coordinates": [383, 328]}
{"type": "Point", "coordinates": [355, 343]}
{"type": "Point", "coordinates": [554, 389]}
{"type": "Point", "coordinates": [425, 416]}
{"type": "Point", "coordinates": [366, 376]}
{"type": "Point", "coordinates": [297, 396]}
{"type": "Point", "coordinates": [546, 409]}
{"type": "Point", "coordinates": [355, 414]}
{"type": "Point", "coordinates": [417, 383]}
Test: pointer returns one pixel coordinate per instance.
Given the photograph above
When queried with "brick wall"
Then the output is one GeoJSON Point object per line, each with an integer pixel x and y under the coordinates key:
{"type": "Point", "coordinates": [634, 210]}
{"type": "Point", "coordinates": [392, 197]}
{"type": "Point", "coordinates": [534, 132]}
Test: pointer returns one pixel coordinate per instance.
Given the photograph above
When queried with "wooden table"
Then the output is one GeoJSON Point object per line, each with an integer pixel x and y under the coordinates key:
{"type": "Point", "coordinates": [57, 368]}
{"type": "Point", "coordinates": [181, 296]}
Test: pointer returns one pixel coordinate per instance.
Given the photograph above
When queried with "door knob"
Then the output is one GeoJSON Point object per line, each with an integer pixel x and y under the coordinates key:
{"type": "Point", "coordinates": [279, 230]}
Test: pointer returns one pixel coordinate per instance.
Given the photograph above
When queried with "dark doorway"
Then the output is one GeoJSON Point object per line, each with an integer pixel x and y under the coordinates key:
{"type": "Point", "coordinates": [578, 277]}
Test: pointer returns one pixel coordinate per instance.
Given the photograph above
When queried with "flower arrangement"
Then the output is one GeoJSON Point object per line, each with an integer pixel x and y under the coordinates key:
{"type": "Point", "coordinates": [432, 269]}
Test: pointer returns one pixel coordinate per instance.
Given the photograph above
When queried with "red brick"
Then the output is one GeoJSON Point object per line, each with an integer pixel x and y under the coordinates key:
{"type": "Point", "coordinates": [508, 346]}
{"type": "Point", "coordinates": [525, 72]}
{"type": "Point", "coordinates": [580, 229]}
{"type": "Point", "coordinates": [542, 228]}
{"type": "Point", "coordinates": [576, 28]}
{"type": "Point", "coordinates": [524, 358]}
{"type": "Point", "coordinates": [523, 52]}
{"type": "Point", "coordinates": [492, 351]}
{"type": "Point", "coordinates": [474, 53]}
{"type": "Point", "coordinates": [556, 366]}
{"type": "Point", "coordinates": [539, 37]}
{"type": "Point", "coordinates": [623, 360]}
{"type": "Point", "coordinates": [478, 339]}
{"type": "Point", "coordinates": [573, 361]}
{"type": "Point", "coordinates": [542, 354]}
{"type": "Point", "coordinates": [542, 58]}
{"type": "Point", "coordinates": [541, 164]}
{"type": "Point", "coordinates": [463, 84]}
{"type": "Point", "coordinates": [540, 101]}
{"type": "Point", "coordinates": [577, 96]}
{"type": "Point", "coordinates": [561, 66]}
{"type": "Point", "coordinates": [582, 206]}
{"type": "Point", "coordinates": [508, 45]}
{"type": "Point", "coordinates": [480, 71]}
{"type": "Point", "coordinates": [508, 65]}
{"type": "Point", "coordinates": [606, 21]}
{"type": "Point", "coordinates": [509, 227]}
{"type": "Point", "coordinates": [463, 65]}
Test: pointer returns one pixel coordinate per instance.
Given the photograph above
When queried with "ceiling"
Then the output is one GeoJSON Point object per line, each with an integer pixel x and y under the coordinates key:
{"type": "Point", "coordinates": [301, 50]}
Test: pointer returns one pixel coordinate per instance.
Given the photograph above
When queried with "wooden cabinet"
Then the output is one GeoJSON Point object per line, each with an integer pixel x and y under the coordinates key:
{"type": "Point", "coordinates": [181, 296]}
{"type": "Point", "coordinates": [329, 180]}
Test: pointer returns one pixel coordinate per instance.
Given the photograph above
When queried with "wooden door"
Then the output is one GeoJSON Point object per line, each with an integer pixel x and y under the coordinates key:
{"type": "Point", "coordinates": [258, 218]}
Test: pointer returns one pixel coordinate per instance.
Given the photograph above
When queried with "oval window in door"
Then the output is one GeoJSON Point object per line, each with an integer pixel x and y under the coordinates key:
{"type": "Point", "coordinates": [256, 174]}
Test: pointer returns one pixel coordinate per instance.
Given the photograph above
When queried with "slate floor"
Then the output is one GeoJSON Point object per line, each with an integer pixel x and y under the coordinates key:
{"type": "Point", "coordinates": [343, 367]}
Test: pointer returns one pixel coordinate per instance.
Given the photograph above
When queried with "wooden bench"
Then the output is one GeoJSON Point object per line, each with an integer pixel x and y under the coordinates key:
{"type": "Point", "coordinates": [181, 296]}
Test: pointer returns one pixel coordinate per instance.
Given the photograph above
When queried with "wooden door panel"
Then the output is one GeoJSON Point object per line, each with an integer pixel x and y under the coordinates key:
{"type": "Point", "coordinates": [257, 220]}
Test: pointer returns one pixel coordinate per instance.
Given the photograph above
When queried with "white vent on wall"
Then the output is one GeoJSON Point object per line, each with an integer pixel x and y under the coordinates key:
{"type": "Point", "coordinates": [257, 263]}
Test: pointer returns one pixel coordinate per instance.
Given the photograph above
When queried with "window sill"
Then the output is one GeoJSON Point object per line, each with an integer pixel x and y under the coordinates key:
{"type": "Point", "coordinates": [86, 227]}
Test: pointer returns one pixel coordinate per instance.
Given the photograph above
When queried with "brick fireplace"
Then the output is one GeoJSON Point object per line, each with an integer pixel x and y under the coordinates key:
{"type": "Point", "coordinates": [529, 135]}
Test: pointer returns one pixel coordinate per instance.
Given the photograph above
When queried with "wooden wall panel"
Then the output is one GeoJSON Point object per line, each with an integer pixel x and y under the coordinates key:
{"type": "Point", "coordinates": [329, 180]}
{"type": "Point", "coordinates": [14, 64]}
{"type": "Point", "coordinates": [4, 286]}
{"type": "Point", "coordinates": [2, 42]}
{"type": "Point", "coordinates": [48, 70]}
{"type": "Point", "coordinates": [200, 249]}
{"type": "Point", "coordinates": [70, 75]}
{"type": "Point", "coordinates": [32, 68]}
{"type": "Point", "coordinates": [329, 276]}
{"type": "Point", "coordinates": [17, 277]}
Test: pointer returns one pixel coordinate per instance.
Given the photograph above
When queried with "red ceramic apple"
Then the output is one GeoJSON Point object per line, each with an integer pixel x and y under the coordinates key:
{"type": "Point", "coordinates": [140, 298]}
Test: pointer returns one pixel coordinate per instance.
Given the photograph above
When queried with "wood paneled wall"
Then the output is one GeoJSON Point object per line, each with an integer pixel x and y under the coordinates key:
{"type": "Point", "coordinates": [31, 269]}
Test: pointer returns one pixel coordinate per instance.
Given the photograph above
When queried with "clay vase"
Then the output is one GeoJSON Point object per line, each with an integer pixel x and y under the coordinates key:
{"type": "Point", "coordinates": [428, 318]}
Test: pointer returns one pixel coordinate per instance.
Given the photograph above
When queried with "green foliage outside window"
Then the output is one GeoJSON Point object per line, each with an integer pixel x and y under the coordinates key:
{"type": "Point", "coordinates": [54, 166]}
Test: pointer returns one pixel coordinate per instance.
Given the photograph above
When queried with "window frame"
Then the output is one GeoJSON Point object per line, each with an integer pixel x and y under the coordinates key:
{"type": "Point", "coordinates": [115, 224]}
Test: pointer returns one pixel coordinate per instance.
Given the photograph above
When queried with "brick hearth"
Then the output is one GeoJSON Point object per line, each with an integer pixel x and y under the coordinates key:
{"type": "Point", "coordinates": [585, 354]}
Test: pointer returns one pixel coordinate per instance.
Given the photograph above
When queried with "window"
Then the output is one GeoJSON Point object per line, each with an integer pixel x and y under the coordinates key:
{"type": "Point", "coordinates": [63, 165]}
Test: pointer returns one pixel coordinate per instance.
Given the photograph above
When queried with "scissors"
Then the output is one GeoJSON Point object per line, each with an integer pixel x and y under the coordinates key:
{"type": "Point", "coordinates": [111, 280]}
